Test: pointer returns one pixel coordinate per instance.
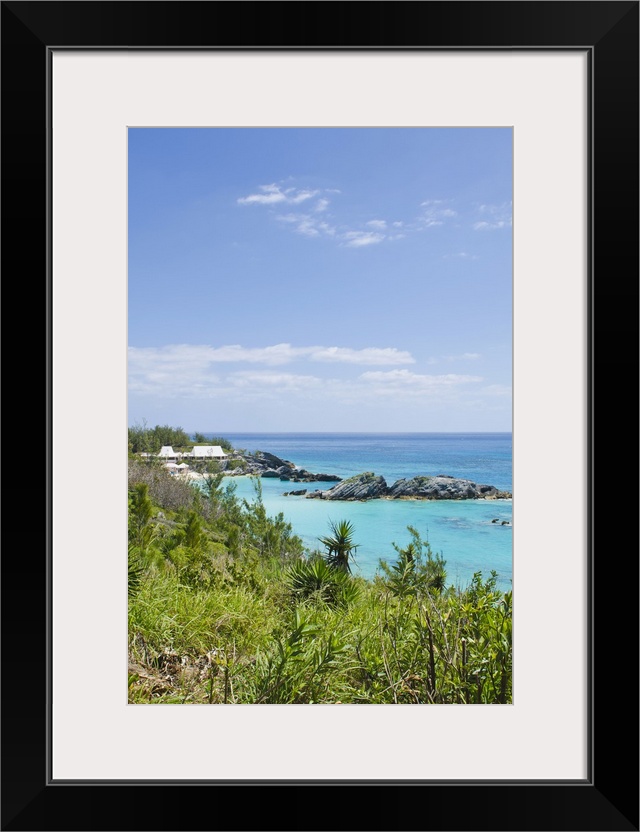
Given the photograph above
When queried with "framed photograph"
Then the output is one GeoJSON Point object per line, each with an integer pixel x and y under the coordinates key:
{"type": "Point", "coordinates": [93, 94]}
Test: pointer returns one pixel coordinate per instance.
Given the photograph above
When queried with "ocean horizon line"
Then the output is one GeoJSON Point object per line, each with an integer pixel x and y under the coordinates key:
{"type": "Point", "coordinates": [354, 432]}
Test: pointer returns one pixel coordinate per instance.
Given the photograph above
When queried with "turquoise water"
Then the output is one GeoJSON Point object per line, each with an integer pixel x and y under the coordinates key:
{"type": "Point", "coordinates": [462, 531]}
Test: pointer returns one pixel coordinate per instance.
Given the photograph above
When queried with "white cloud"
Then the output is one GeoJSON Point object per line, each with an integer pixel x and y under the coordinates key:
{"type": "Point", "coordinates": [465, 356]}
{"type": "Point", "coordinates": [460, 255]}
{"type": "Point", "coordinates": [369, 355]}
{"type": "Point", "coordinates": [308, 225]}
{"type": "Point", "coordinates": [347, 234]}
{"type": "Point", "coordinates": [405, 386]}
{"type": "Point", "coordinates": [490, 226]}
{"type": "Point", "coordinates": [319, 222]}
{"type": "Point", "coordinates": [287, 381]}
{"type": "Point", "coordinates": [192, 372]}
{"type": "Point", "coordinates": [356, 239]}
{"type": "Point", "coordinates": [274, 194]}
{"type": "Point", "coordinates": [311, 224]}
{"type": "Point", "coordinates": [435, 213]}
{"type": "Point", "coordinates": [407, 379]}
{"type": "Point", "coordinates": [172, 360]}
{"type": "Point", "coordinates": [180, 370]}
{"type": "Point", "coordinates": [494, 217]}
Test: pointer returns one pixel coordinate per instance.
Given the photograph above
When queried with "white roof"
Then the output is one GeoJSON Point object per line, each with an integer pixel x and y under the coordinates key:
{"type": "Point", "coordinates": [208, 450]}
{"type": "Point", "coordinates": [182, 465]}
{"type": "Point", "coordinates": [171, 465]}
{"type": "Point", "coordinates": [167, 450]}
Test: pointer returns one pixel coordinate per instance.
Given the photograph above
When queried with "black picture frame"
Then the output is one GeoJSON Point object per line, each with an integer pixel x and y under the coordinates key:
{"type": "Point", "coordinates": [608, 798]}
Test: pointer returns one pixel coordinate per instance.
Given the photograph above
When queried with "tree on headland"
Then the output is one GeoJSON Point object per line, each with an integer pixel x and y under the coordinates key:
{"type": "Point", "coordinates": [149, 440]}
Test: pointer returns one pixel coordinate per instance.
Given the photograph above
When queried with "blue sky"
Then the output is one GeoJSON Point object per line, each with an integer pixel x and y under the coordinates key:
{"type": "Point", "coordinates": [320, 279]}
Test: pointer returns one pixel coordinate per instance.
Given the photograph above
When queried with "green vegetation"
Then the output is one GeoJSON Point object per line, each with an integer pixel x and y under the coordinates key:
{"type": "Point", "coordinates": [214, 440]}
{"type": "Point", "coordinates": [340, 545]}
{"type": "Point", "coordinates": [143, 439]}
{"type": "Point", "coordinates": [149, 440]}
{"type": "Point", "coordinates": [226, 606]}
{"type": "Point", "coordinates": [201, 439]}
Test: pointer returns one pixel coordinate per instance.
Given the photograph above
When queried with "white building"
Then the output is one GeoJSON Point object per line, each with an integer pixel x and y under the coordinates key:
{"type": "Point", "coordinates": [207, 452]}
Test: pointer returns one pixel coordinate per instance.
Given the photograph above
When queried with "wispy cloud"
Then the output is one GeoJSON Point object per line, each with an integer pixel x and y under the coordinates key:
{"type": "Point", "coordinates": [465, 356]}
{"type": "Point", "coordinates": [494, 217]}
{"type": "Point", "coordinates": [308, 225]}
{"type": "Point", "coordinates": [435, 212]}
{"type": "Point", "coordinates": [357, 239]}
{"type": "Point", "coordinates": [274, 194]}
{"type": "Point", "coordinates": [368, 355]}
{"type": "Point", "coordinates": [178, 358]}
{"type": "Point", "coordinates": [281, 381]}
{"type": "Point", "coordinates": [318, 220]}
{"type": "Point", "coordinates": [460, 255]}
{"type": "Point", "coordinates": [204, 372]}
{"type": "Point", "coordinates": [407, 379]}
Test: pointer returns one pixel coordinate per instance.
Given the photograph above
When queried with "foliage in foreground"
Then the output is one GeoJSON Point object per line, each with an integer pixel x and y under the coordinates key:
{"type": "Point", "coordinates": [225, 606]}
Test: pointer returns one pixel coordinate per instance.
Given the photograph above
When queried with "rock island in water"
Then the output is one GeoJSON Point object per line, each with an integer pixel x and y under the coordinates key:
{"type": "Point", "coordinates": [368, 485]}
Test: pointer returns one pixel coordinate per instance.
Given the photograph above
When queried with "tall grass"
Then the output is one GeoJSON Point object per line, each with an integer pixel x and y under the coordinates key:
{"type": "Point", "coordinates": [226, 607]}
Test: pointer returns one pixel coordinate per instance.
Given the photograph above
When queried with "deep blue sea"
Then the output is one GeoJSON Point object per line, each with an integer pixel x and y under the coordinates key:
{"type": "Point", "coordinates": [462, 531]}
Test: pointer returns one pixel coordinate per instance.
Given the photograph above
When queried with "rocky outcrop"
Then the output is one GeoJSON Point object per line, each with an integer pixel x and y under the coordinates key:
{"type": "Point", "coordinates": [368, 486]}
{"type": "Point", "coordinates": [301, 475]}
{"type": "Point", "coordinates": [271, 461]}
{"type": "Point", "coordinates": [365, 486]}
{"type": "Point", "coordinates": [263, 464]}
{"type": "Point", "coordinates": [260, 464]}
{"type": "Point", "coordinates": [444, 487]}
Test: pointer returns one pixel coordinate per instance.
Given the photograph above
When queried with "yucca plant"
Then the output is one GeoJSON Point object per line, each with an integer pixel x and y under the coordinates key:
{"type": "Point", "coordinates": [317, 579]}
{"type": "Point", "coordinates": [339, 545]}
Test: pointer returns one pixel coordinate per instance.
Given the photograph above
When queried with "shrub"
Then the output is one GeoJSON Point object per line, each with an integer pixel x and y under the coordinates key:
{"type": "Point", "coordinates": [315, 579]}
